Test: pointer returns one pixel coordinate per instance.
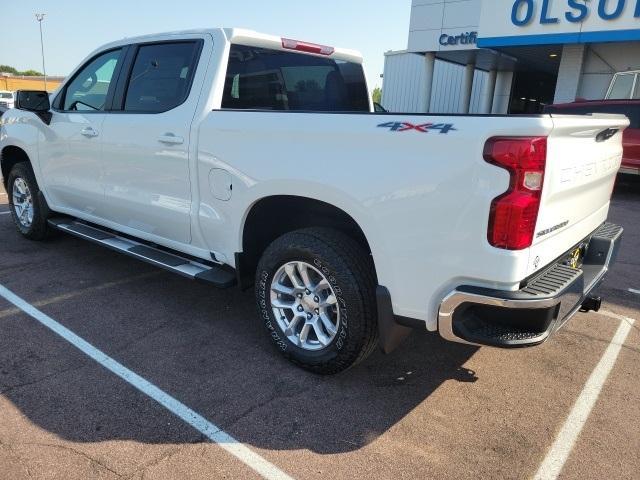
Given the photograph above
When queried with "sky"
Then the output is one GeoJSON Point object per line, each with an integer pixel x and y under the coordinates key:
{"type": "Point", "coordinates": [73, 28]}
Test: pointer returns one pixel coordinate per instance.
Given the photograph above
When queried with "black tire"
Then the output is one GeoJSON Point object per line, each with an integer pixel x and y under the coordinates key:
{"type": "Point", "coordinates": [37, 230]}
{"type": "Point", "coordinates": [351, 274]}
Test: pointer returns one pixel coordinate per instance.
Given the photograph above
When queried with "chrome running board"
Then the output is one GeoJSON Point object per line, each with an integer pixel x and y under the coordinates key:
{"type": "Point", "coordinates": [213, 274]}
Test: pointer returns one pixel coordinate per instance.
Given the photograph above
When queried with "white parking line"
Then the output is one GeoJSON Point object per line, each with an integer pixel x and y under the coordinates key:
{"type": "Point", "coordinates": [633, 290]}
{"type": "Point", "coordinates": [559, 452]}
{"type": "Point", "coordinates": [5, 213]}
{"type": "Point", "coordinates": [211, 431]}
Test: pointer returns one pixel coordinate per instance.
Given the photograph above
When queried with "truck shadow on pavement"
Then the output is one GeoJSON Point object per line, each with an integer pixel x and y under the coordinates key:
{"type": "Point", "coordinates": [204, 347]}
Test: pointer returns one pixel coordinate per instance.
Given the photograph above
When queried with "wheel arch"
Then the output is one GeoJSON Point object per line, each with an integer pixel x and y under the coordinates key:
{"type": "Point", "coordinates": [10, 156]}
{"type": "Point", "coordinates": [257, 233]}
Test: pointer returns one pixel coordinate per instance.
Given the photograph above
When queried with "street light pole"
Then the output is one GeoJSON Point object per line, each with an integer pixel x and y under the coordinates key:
{"type": "Point", "coordinates": [40, 18]}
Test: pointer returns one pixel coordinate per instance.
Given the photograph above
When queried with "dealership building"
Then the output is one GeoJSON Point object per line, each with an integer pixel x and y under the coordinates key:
{"type": "Point", "coordinates": [513, 56]}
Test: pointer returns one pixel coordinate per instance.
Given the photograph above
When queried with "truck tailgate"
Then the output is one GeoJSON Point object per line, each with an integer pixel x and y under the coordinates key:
{"type": "Point", "coordinates": [584, 153]}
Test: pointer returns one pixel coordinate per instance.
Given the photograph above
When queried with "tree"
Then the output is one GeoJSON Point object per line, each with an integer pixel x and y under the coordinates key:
{"type": "Point", "coordinates": [31, 73]}
{"type": "Point", "coordinates": [13, 71]}
{"type": "Point", "coordinates": [8, 69]}
{"type": "Point", "coordinates": [377, 95]}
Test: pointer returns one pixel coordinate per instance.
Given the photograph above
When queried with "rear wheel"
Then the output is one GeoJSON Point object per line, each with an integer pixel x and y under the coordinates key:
{"type": "Point", "coordinates": [27, 212]}
{"type": "Point", "coordinates": [315, 290]}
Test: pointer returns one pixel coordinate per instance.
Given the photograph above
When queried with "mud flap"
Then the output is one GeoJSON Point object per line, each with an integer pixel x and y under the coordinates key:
{"type": "Point", "coordinates": [391, 333]}
{"type": "Point", "coordinates": [44, 206]}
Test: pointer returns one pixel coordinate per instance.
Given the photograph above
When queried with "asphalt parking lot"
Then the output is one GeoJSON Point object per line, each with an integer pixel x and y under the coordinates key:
{"type": "Point", "coordinates": [429, 410]}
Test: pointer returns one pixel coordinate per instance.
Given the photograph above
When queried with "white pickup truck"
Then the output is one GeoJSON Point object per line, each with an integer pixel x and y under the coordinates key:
{"type": "Point", "coordinates": [237, 158]}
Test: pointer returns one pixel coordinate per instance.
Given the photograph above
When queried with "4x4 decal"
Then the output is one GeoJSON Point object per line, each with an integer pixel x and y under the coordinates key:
{"type": "Point", "coordinates": [443, 128]}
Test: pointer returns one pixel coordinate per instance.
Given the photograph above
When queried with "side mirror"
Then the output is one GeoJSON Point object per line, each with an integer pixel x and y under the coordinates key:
{"type": "Point", "coordinates": [33, 101]}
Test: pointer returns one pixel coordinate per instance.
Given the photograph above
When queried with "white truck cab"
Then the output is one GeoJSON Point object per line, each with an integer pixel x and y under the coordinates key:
{"type": "Point", "coordinates": [238, 158]}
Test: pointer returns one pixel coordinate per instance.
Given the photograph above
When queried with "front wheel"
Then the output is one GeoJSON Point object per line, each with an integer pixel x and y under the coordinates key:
{"type": "Point", "coordinates": [26, 210]}
{"type": "Point", "coordinates": [315, 290]}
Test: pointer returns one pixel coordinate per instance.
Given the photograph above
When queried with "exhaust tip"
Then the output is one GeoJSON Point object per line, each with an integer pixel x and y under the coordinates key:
{"type": "Point", "coordinates": [591, 304]}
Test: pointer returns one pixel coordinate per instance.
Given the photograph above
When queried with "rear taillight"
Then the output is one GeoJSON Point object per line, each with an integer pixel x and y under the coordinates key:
{"type": "Point", "coordinates": [306, 47]}
{"type": "Point", "coordinates": [514, 214]}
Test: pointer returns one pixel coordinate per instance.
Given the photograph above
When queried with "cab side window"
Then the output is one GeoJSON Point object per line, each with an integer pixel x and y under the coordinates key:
{"type": "Point", "coordinates": [161, 76]}
{"type": "Point", "coordinates": [89, 89]}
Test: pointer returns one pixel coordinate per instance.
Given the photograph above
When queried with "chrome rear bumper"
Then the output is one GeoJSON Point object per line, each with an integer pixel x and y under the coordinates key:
{"type": "Point", "coordinates": [527, 317]}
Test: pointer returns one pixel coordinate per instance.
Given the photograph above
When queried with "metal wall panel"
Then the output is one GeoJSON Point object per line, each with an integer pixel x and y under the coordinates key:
{"type": "Point", "coordinates": [404, 79]}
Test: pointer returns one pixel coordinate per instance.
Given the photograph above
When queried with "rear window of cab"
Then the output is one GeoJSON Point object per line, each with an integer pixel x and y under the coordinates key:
{"type": "Point", "coordinates": [265, 79]}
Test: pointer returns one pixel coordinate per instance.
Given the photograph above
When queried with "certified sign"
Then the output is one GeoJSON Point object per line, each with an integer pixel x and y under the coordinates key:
{"type": "Point", "coordinates": [467, 38]}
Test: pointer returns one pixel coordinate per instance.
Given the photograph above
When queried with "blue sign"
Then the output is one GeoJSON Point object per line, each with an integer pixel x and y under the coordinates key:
{"type": "Point", "coordinates": [558, 22]}
{"type": "Point", "coordinates": [525, 11]}
{"type": "Point", "coordinates": [467, 38]}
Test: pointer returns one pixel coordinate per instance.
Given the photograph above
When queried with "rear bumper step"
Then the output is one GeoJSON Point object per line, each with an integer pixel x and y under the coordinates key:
{"type": "Point", "coordinates": [527, 317]}
{"type": "Point", "coordinates": [186, 267]}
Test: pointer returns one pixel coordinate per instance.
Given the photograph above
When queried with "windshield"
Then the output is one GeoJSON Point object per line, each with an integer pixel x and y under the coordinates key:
{"type": "Point", "coordinates": [264, 79]}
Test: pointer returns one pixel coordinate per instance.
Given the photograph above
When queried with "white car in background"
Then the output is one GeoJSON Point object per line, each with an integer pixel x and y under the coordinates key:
{"type": "Point", "coordinates": [6, 99]}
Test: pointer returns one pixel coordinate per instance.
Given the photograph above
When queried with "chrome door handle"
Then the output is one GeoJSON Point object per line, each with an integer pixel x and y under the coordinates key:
{"type": "Point", "coordinates": [171, 139]}
{"type": "Point", "coordinates": [88, 132]}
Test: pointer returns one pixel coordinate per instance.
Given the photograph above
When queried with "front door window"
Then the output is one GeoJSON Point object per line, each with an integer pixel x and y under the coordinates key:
{"type": "Point", "coordinates": [89, 89]}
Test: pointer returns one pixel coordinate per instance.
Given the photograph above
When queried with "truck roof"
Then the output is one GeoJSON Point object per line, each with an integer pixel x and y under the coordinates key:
{"type": "Point", "coordinates": [236, 35]}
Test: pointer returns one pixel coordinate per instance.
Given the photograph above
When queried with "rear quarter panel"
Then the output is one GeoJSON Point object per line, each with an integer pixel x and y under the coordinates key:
{"type": "Point", "coordinates": [421, 198]}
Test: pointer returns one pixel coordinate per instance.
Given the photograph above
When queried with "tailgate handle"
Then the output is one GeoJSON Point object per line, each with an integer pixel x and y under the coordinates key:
{"type": "Point", "coordinates": [606, 134]}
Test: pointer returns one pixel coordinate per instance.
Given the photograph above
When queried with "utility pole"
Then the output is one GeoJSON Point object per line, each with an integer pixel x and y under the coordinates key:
{"type": "Point", "coordinates": [40, 18]}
